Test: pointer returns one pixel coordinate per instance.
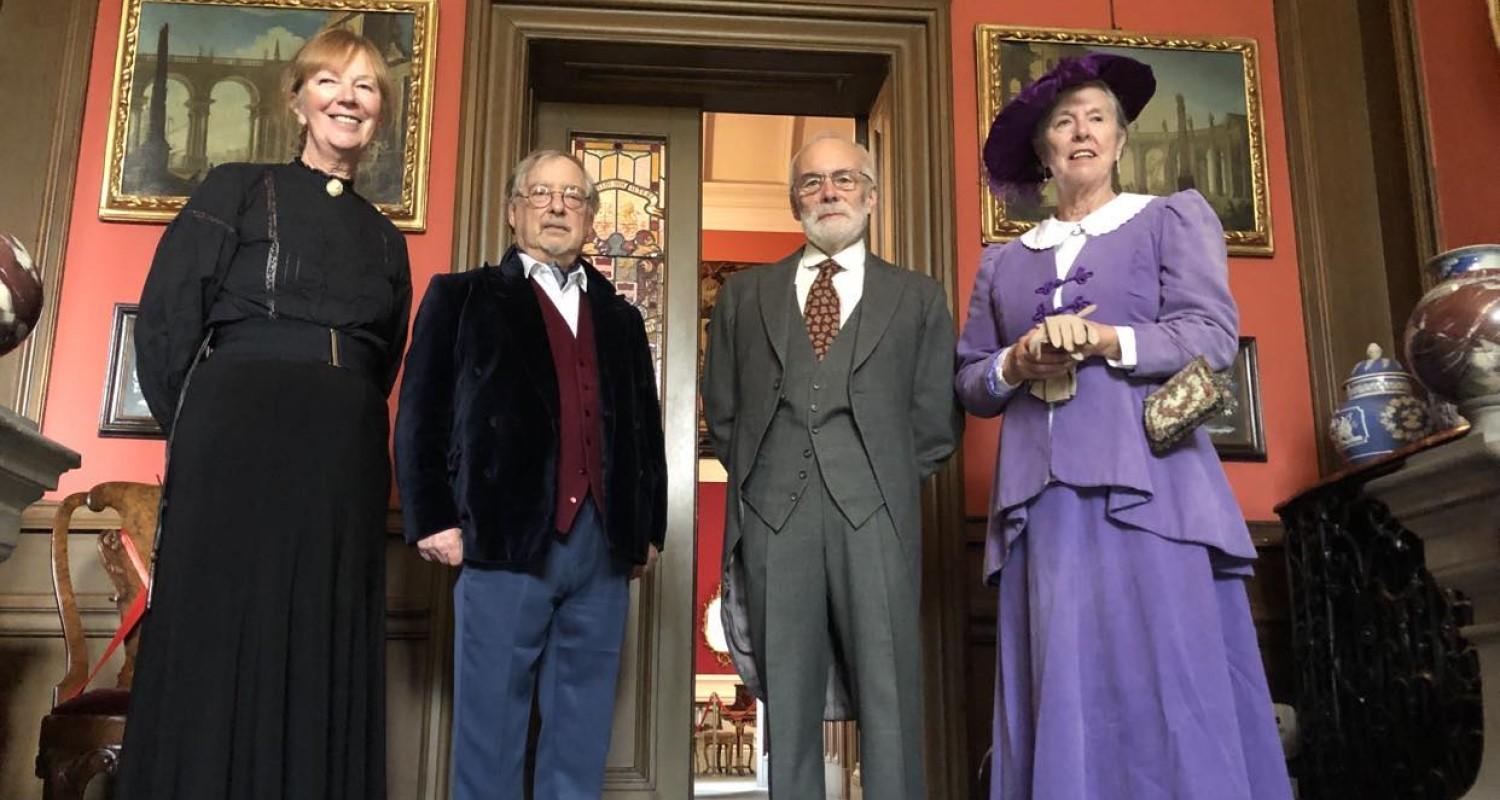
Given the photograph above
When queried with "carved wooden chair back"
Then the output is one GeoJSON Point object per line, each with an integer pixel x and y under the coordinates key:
{"type": "Point", "coordinates": [137, 505]}
{"type": "Point", "coordinates": [81, 738]}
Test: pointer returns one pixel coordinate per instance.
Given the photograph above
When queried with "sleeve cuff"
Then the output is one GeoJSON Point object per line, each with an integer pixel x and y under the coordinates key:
{"type": "Point", "coordinates": [1127, 360]}
{"type": "Point", "coordinates": [994, 380]}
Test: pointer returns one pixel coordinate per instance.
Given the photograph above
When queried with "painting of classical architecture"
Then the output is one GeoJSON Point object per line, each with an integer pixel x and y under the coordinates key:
{"type": "Point", "coordinates": [202, 82]}
{"type": "Point", "coordinates": [1201, 131]}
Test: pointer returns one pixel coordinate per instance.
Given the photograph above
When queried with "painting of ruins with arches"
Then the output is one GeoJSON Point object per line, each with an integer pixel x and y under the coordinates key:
{"type": "Point", "coordinates": [201, 82]}
{"type": "Point", "coordinates": [1202, 130]}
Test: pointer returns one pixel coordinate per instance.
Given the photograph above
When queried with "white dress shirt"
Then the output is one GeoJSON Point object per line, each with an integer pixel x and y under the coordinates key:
{"type": "Point", "coordinates": [565, 297]}
{"type": "Point", "coordinates": [848, 283]}
{"type": "Point", "coordinates": [1069, 238]}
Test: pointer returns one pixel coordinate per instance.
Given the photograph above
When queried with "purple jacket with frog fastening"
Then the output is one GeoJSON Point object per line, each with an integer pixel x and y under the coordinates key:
{"type": "Point", "coordinates": [1163, 273]}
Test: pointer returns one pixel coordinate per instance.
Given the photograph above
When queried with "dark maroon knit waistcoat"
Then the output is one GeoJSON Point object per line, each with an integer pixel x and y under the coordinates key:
{"type": "Point", "coordinates": [580, 464]}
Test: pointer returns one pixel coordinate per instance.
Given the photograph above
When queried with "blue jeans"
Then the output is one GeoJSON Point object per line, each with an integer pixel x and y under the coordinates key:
{"type": "Point", "coordinates": [556, 627]}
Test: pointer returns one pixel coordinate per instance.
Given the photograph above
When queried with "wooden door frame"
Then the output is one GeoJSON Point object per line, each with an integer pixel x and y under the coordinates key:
{"type": "Point", "coordinates": [46, 232]}
{"type": "Point", "coordinates": [914, 36]}
{"type": "Point", "coordinates": [1363, 192]}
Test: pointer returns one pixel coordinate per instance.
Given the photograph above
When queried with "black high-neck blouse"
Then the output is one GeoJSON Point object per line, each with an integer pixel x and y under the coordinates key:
{"type": "Point", "coordinates": [259, 241]}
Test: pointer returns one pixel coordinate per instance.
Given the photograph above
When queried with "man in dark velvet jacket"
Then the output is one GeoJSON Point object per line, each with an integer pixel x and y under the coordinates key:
{"type": "Point", "coordinates": [529, 452]}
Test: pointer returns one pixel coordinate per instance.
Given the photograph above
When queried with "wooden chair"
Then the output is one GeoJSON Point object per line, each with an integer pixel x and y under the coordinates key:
{"type": "Point", "coordinates": [742, 714]}
{"type": "Point", "coordinates": [81, 737]}
{"type": "Point", "coordinates": [742, 745]}
{"type": "Point", "coordinates": [704, 718]}
{"type": "Point", "coordinates": [714, 737]}
{"type": "Point", "coordinates": [743, 700]}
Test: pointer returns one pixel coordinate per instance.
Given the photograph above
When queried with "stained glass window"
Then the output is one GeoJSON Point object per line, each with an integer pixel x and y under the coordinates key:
{"type": "Point", "coordinates": [628, 244]}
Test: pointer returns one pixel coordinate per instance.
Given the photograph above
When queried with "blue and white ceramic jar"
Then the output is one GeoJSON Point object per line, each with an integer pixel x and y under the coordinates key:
{"type": "Point", "coordinates": [1381, 411]}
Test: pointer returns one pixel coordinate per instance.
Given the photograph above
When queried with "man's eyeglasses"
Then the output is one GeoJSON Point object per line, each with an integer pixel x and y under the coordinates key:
{"type": "Point", "coordinates": [541, 196]}
{"type": "Point", "coordinates": [845, 180]}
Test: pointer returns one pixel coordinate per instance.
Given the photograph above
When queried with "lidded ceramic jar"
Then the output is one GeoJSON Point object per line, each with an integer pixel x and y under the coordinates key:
{"type": "Point", "coordinates": [1453, 336]}
{"type": "Point", "coordinates": [1381, 412]}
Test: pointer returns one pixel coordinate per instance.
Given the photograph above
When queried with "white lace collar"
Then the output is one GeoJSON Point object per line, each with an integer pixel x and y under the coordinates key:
{"type": "Point", "coordinates": [1051, 231]}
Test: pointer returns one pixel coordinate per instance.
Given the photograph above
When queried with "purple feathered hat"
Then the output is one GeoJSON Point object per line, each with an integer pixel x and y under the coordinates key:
{"type": "Point", "coordinates": [1014, 169]}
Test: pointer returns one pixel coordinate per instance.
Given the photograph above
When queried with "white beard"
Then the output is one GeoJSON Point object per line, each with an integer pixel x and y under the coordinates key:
{"type": "Point", "coordinates": [835, 234]}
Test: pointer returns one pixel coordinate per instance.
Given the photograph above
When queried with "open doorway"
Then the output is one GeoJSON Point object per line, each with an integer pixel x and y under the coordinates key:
{"type": "Point", "coordinates": [686, 200]}
{"type": "Point", "coordinates": [769, 58]}
{"type": "Point", "coordinates": [747, 222]}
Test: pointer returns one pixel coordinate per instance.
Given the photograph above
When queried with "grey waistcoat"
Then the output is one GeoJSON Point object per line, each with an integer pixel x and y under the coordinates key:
{"type": "Point", "coordinates": [813, 435]}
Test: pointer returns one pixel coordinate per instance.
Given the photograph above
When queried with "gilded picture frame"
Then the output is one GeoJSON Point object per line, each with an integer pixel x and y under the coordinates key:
{"type": "Point", "coordinates": [218, 96]}
{"type": "Point", "coordinates": [711, 276]}
{"type": "Point", "coordinates": [1207, 106]}
{"type": "Point", "coordinates": [1494, 7]}
{"type": "Point", "coordinates": [712, 628]}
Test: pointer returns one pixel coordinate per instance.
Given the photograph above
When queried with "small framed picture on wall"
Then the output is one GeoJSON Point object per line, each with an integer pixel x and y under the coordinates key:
{"type": "Point", "coordinates": [711, 276]}
{"type": "Point", "coordinates": [1236, 431]}
{"type": "Point", "coordinates": [124, 411]}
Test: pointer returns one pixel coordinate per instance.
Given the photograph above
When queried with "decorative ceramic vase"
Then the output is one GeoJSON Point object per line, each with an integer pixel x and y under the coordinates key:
{"type": "Point", "coordinates": [1453, 336]}
{"type": "Point", "coordinates": [1381, 410]}
{"type": "Point", "coordinates": [20, 294]}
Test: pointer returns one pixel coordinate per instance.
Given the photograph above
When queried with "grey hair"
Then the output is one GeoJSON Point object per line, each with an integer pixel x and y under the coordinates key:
{"type": "Point", "coordinates": [522, 174]}
{"type": "Point", "coordinates": [866, 161]}
{"type": "Point", "coordinates": [1039, 136]}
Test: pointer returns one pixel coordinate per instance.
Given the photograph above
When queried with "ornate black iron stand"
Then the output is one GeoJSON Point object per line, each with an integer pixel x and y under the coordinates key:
{"type": "Point", "coordinates": [1388, 691]}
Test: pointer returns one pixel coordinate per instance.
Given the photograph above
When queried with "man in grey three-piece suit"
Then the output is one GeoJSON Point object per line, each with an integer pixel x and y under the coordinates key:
{"type": "Point", "coordinates": [827, 390]}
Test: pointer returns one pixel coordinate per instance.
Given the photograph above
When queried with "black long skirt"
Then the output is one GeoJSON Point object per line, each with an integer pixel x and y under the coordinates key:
{"type": "Point", "coordinates": [260, 672]}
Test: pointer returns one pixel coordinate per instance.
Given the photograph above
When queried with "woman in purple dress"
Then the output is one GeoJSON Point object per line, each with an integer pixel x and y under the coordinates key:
{"type": "Point", "coordinates": [1128, 665]}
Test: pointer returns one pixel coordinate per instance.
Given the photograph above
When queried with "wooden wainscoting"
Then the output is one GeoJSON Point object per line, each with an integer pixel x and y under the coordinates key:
{"type": "Point", "coordinates": [31, 652]}
{"type": "Point", "coordinates": [44, 54]}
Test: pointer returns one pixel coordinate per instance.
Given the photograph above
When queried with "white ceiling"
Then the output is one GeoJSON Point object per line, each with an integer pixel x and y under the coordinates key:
{"type": "Point", "coordinates": [745, 163]}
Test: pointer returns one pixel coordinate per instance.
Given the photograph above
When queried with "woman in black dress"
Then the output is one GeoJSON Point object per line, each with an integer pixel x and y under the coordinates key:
{"type": "Point", "coordinates": [270, 332]}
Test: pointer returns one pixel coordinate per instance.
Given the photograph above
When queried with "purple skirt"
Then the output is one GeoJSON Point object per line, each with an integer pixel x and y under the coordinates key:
{"type": "Point", "coordinates": [1128, 668]}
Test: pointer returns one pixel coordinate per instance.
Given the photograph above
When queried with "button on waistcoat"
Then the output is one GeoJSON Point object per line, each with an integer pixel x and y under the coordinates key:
{"type": "Point", "coordinates": [813, 436]}
{"type": "Point", "coordinates": [580, 464]}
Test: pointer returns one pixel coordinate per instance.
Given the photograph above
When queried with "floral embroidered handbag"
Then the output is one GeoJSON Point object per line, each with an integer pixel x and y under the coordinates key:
{"type": "Point", "coordinates": [1181, 404]}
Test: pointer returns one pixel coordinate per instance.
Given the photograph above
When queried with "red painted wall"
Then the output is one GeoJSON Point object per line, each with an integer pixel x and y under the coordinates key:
{"type": "Point", "coordinates": [1461, 71]}
{"type": "Point", "coordinates": [759, 246]}
{"type": "Point", "coordinates": [107, 261]}
{"type": "Point", "coordinates": [1267, 289]}
{"type": "Point", "coordinates": [710, 553]}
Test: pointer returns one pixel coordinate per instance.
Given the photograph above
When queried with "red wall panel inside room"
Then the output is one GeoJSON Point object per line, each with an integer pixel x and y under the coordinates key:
{"type": "Point", "coordinates": [710, 553]}
{"type": "Point", "coordinates": [1461, 69]}
{"type": "Point", "coordinates": [762, 247]}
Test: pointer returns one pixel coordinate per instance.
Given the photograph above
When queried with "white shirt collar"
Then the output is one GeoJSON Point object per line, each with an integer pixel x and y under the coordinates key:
{"type": "Point", "coordinates": [851, 258]}
{"type": "Point", "coordinates": [1052, 231]}
{"type": "Point", "coordinates": [578, 276]}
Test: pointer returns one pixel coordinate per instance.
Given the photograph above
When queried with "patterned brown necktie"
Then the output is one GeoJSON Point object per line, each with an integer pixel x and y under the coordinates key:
{"type": "Point", "coordinates": [822, 310]}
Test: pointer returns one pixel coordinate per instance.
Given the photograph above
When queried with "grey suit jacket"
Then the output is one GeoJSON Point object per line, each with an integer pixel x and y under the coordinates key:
{"type": "Point", "coordinates": [900, 390]}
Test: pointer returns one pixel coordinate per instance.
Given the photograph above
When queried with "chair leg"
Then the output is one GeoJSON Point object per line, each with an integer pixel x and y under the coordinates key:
{"type": "Point", "coordinates": [66, 774]}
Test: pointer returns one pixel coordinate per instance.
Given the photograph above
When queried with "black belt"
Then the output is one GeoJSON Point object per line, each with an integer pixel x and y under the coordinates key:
{"type": "Point", "coordinates": [294, 340]}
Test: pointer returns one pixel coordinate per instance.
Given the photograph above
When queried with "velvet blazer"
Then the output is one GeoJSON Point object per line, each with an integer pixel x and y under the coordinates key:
{"type": "Point", "coordinates": [477, 429]}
